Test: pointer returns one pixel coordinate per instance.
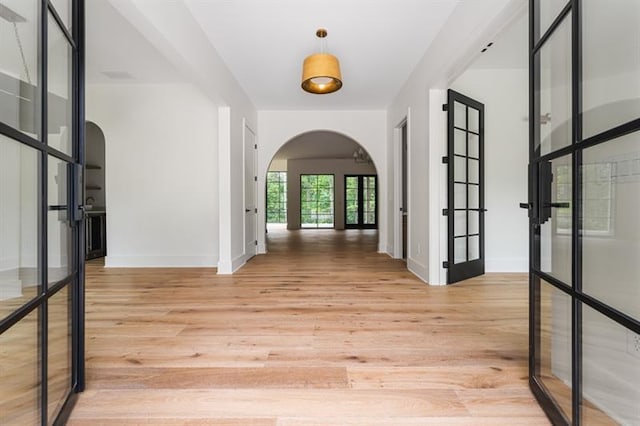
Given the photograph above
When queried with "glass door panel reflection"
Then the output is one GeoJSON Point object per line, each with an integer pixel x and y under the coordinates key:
{"type": "Point", "coordinates": [610, 372]}
{"type": "Point", "coordinates": [20, 373]}
{"type": "Point", "coordinates": [610, 234]}
{"type": "Point", "coordinates": [59, 243]}
{"type": "Point", "coordinates": [553, 100]}
{"type": "Point", "coordinates": [59, 84]}
{"type": "Point", "coordinates": [611, 64]}
{"type": "Point", "coordinates": [556, 230]}
{"type": "Point", "coordinates": [19, 207]}
{"type": "Point", "coordinates": [19, 73]}
{"type": "Point", "coordinates": [553, 356]}
{"type": "Point", "coordinates": [58, 351]}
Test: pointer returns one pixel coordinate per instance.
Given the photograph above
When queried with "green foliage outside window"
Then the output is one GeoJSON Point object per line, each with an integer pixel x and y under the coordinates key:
{"type": "Point", "coordinates": [277, 197]}
{"type": "Point", "coordinates": [316, 201]}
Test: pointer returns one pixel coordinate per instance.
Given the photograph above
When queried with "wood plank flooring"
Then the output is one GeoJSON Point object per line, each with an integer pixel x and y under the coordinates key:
{"type": "Point", "coordinates": [321, 331]}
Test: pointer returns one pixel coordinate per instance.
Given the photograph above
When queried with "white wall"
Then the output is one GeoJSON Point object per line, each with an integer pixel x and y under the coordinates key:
{"type": "Point", "coordinates": [368, 128]}
{"type": "Point", "coordinates": [504, 92]}
{"type": "Point", "coordinates": [338, 167]}
{"type": "Point", "coordinates": [469, 28]}
{"type": "Point", "coordinates": [172, 30]}
{"type": "Point", "coordinates": [161, 180]}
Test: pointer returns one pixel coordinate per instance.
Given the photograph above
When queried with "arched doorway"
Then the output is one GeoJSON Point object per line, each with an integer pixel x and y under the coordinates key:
{"type": "Point", "coordinates": [321, 179]}
{"type": "Point", "coordinates": [94, 192]}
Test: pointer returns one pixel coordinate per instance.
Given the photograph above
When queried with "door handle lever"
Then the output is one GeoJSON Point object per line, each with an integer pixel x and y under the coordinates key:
{"type": "Point", "coordinates": [247, 210]}
{"type": "Point", "coordinates": [527, 206]}
{"type": "Point", "coordinates": [558, 205]}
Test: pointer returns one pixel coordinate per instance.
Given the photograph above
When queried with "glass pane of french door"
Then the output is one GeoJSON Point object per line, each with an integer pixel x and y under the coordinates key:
{"type": "Point", "coordinates": [610, 372]}
{"type": "Point", "coordinates": [369, 200]}
{"type": "Point", "coordinates": [19, 210]}
{"type": "Point", "coordinates": [19, 73]}
{"type": "Point", "coordinates": [58, 350]}
{"type": "Point", "coordinates": [553, 351]}
{"type": "Point", "coordinates": [611, 231]}
{"type": "Point", "coordinates": [316, 201]}
{"type": "Point", "coordinates": [611, 64]}
{"type": "Point", "coordinates": [352, 201]}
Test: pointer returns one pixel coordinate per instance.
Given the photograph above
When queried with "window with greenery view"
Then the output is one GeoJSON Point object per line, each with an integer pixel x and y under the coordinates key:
{"type": "Point", "coordinates": [316, 201]}
{"type": "Point", "coordinates": [360, 201]}
{"type": "Point", "coordinates": [277, 197]}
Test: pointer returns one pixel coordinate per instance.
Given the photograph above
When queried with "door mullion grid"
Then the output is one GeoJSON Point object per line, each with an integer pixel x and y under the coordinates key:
{"type": "Point", "coordinates": [44, 207]}
{"type": "Point", "coordinates": [466, 161]}
{"type": "Point", "coordinates": [576, 225]}
{"type": "Point", "coordinates": [360, 201]}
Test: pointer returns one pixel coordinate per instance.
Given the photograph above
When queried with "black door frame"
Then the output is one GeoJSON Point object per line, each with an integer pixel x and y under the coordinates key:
{"type": "Point", "coordinates": [333, 192]}
{"type": "Point", "coordinates": [75, 162]}
{"type": "Point", "coordinates": [470, 268]}
{"type": "Point", "coordinates": [538, 210]}
{"type": "Point", "coordinates": [361, 224]}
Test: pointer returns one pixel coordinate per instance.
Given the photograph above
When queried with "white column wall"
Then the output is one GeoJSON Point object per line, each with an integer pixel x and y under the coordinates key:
{"type": "Point", "coordinates": [161, 174]}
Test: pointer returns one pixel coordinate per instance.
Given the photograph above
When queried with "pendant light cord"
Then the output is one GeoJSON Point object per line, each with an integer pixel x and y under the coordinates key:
{"type": "Point", "coordinates": [24, 60]}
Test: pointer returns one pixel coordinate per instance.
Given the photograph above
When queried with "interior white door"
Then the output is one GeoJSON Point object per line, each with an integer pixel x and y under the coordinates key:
{"type": "Point", "coordinates": [250, 211]}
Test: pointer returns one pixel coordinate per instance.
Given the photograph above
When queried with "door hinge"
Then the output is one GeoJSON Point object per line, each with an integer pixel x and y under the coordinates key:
{"type": "Point", "coordinates": [445, 160]}
{"type": "Point", "coordinates": [445, 107]}
{"type": "Point", "coordinates": [256, 242]}
{"type": "Point", "coordinates": [255, 210]}
{"type": "Point", "coordinates": [255, 146]}
{"type": "Point", "coordinates": [255, 178]}
{"type": "Point", "coordinates": [445, 265]}
{"type": "Point", "coordinates": [445, 212]}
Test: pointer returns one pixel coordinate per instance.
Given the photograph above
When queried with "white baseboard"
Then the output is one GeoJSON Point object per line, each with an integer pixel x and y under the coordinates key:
{"type": "Point", "coordinates": [228, 267]}
{"type": "Point", "coordinates": [160, 262]}
{"type": "Point", "coordinates": [418, 269]}
{"type": "Point", "coordinates": [507, 265]}
{"type": "Point", "coordinates": [262, 248]}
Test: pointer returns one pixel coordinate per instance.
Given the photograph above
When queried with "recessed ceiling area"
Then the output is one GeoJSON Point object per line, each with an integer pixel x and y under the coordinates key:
{"type": "Point", "coordinates": [318, 144]}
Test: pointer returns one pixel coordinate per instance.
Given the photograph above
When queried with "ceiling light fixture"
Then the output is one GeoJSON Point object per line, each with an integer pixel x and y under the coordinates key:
{"type": "Point", "coordinates": [360, 156]}
{"type": "Point", "coordinates": [321, 71]}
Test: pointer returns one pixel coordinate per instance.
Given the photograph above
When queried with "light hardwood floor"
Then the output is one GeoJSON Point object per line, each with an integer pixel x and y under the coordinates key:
{"type": "Point", "coordinates": [321, 331]}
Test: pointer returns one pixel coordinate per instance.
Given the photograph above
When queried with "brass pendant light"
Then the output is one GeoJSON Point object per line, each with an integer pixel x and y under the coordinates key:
{"type": "Point", "coordinates": [321, 71]}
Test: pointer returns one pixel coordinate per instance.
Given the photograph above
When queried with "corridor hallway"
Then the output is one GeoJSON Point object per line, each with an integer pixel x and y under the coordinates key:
{"type": "Point", "coordinates": [323, 330]}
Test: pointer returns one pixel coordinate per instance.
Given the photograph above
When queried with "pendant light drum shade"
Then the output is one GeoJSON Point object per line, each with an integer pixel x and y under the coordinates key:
{"type": "Point", "coordinates": [321, 71]}
{"type": "Point", "coordinates": [321, 74]}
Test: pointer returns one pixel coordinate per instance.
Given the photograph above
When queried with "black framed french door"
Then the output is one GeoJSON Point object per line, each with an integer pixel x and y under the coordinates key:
{"type": "Point", "coordinates": [465, 187]}
{"type": "Point", "coordinates": [584, 194]}
{"type": "Point", "coordinates": [41, 232]}
{"type": "Point", "coordinates": [360, 201]}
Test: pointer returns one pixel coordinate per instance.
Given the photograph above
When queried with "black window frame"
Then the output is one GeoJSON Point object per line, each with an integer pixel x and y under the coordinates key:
{"type": "Point", "coordinates": [333, 213]}
{"type": "Point", "coordinates": [361, 224]}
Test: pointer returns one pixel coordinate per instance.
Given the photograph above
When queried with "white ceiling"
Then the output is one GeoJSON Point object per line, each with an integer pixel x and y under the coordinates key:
{"type": "Point", "coordinates": [263, 42]}
{"type": "Point", "coordinates": [115, 46]}
{"type": "Point", "coordinates": [378, 42]}
{"type": "Point", "coordinates": [510, 49]}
